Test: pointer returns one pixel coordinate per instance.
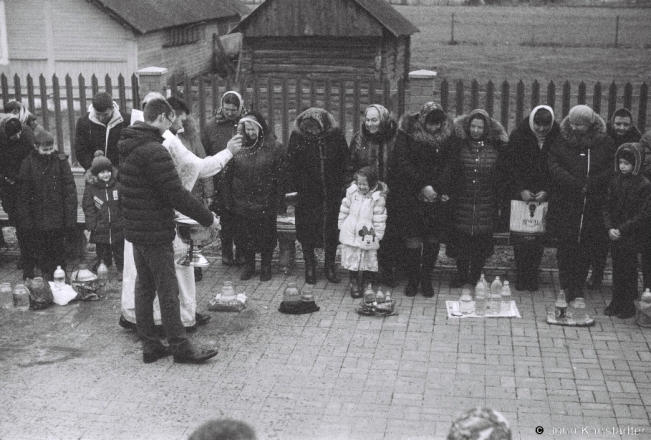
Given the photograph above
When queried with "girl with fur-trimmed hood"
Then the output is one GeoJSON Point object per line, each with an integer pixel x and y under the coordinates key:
{"type": "Point", "coordinates": [626, 216]}
{"type": "Point", "coordinates": [317, 154]}
{"type": "Point", "coordinates": [479, 181]}
{"type": "Point", "coordinates": [362, 221]}
{"type": "Point", "coordinates": [580, 163]}
{"type": "Point", "coordinates": [418, 182]}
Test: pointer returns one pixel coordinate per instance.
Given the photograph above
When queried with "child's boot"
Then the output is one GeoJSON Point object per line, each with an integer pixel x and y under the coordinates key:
{"type": "Point", "coordinates": [354, 284]}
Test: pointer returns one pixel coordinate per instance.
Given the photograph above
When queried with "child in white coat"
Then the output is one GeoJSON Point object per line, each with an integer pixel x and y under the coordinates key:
{"type": "Point", "coordinates": [362, 220]}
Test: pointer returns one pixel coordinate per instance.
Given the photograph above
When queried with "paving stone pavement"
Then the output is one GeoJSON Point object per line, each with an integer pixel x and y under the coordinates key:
{"type": "Point", "coordinates": [69, 372]}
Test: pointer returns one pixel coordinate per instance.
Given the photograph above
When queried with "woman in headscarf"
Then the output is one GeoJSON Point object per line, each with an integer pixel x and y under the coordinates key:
{"type": "Point", "coordinates": [373, 146]}
{"type": "Point", "coordinates": [529, 145]}
{"type": "Point", "coordinates": [219, 130]}
{"type": "Point", "coordinates": [418, 180]}
{"type": "Point", "coordinates": [252, 186]}
{"type": "Point", "coordinates": [479, 180]}
{"type": "Point", "coordinates": [317, 155]}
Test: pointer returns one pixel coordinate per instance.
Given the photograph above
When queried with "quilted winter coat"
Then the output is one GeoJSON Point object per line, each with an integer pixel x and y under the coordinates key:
{"type": "Point", "coordinates": [362, 217]}
{"type": "Point", "coordinates": [102, 209]}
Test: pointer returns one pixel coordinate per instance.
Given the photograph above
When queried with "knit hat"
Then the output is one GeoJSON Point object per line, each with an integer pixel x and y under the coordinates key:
{"type": "Point", "coordinates": [581, 115]}
{"type": "Point", "coordinates": [13, 127]}
{"type": "Point", "coordinates": [480, 423]}
{"type": "Point", "coordinates": [627, 155]}
{"type": "Point", "coordinates": [42, 137]}
{"type": "Point", "coordinates": [100, 163]}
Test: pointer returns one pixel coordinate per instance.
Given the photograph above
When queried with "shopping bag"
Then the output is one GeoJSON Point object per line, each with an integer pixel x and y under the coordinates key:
{"type": "Point", "coordinates": [528, 221]}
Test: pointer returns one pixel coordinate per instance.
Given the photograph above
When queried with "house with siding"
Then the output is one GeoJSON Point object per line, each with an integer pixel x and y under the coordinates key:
{"type": "Point", "coordinates": [112, 36]}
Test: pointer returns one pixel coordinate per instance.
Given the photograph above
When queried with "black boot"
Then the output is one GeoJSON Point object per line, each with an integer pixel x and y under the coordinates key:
{"type": "Point", "coordinates": [227, 253]}
{"type": "Point", "coordinates": [265, 268]}
{"type": "Point", "coordinates": [389, 276]}
{"type": "Point", "coordinates": [595, 280]}
{"type": "Point", "coordinates": [412, 260]}
{"type": "Point", "coordinates": [430, 254]}
{"type": "Point", "coordinates": [310, 264]}
{"type": "Point", "coordinates": [354, 285]}
{"type": "Point", "coordinates": [240, 257]}
{"type": "Point", "coordinates": [198, 274]}
{"type": "Point", "coordinates": [249, 266]}
{"type": "Point", "coordinates": [476, 268]}
{"type": "Point", "coordinates": [330, 271]}
{"type": "Point", "coordinates": [461, 276]}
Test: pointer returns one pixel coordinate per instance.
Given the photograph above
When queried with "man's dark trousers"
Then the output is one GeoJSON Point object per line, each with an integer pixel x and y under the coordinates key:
{"type": "Point", "coordinates": [156, 273]}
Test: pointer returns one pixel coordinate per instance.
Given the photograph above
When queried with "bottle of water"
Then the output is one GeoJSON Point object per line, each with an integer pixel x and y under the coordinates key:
{"type": "Point", "coordinates": [369, 295]}
{"type": "Point", "coordinates": [480, 297]}
{"type": "Point", "coordinates": [59, 277]}
{"type": "Point", "coordinates": [506, 299]}
{"type": "Point", "coordinates": [560, 308]}
{"type": "Point", "coordinates": [578, 309]}
{"type": "Point", "coordinates": [465, 302]}
{"type": "Point", "coordinates": [495, 297]}
{"type": "Point", "coordinates": [228, 291]}
{"type": "Point", "coordinates": [102, 278]}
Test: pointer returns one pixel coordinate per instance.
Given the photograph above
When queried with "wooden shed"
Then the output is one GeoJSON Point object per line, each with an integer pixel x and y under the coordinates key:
{"type": "Point", "coordinates": [365, 39]}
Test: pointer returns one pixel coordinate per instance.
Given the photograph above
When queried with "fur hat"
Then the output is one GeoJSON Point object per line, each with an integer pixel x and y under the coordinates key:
{"type": "Point", "coordinates": [43, 137]}
{"type": "Point", "coordinates": [100, 163]}
{"type": "Point", "coordinates": [581, 115]}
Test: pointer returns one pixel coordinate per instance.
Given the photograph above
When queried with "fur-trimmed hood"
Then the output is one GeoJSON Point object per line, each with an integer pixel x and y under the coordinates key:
{"type": "Point", "coordinates": [92, 179]}
{"type": "Point", "coordinates": [596, 133]}
{"type": "Point", "coordinates": [636, 149]}
{"type": "Point", "coordinates": [325, 119]}
{"type": "Point", "coordinates": [496, 132]}
{"type": "Point", "coordinates": [412, 126]}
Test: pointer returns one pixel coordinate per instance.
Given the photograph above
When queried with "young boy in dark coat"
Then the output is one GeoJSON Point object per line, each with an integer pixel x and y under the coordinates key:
{"type": "Point", "coordinates": [626, 216]}
{"type": "Point", "coordinates": [47, 206]}
{"type": "Point", "coordinates": [103, 212]}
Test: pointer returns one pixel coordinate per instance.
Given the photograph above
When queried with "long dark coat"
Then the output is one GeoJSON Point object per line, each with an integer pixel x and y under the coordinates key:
{"type": "Point", "coordinates": [419, 159]}
{"type": "Point", "coordinates": [569, 158]}
{"type": "Point", "coordinates": [12, 154]}
{"type": "Point", "coordinates": [102, 209]}
{"type": "Point", "coordinates": [315, 169]}
{"type": "Point", "coordinates": [374, 150]}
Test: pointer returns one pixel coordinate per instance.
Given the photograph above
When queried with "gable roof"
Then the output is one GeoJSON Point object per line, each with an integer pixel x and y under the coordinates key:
{"type": "Point", "coordinates": [145, 16]}
{"type": "Point", "coordinates": [382, 11]}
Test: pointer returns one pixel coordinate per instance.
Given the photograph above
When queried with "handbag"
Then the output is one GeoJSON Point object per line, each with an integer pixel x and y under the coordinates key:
{"type": "Point", "coordinates": [528, 221]}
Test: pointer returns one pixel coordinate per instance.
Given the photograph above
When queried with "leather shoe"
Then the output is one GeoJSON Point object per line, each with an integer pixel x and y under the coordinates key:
{"type": "Point", "coordinates": [153, 356]}
{"type": "Point", "coordinates": [194, 356]}
{"type": "Point", "coordinates": [331, 275]}
{"type": "Point", "coordinates": [411, 289]}
{"type": "Point", "coordinates": [127, 324]}
{"type": "Point", "coordinates": [247, 274]}
{"type": "Point", "coordinates": [626, 313]}
{"type": "Point", "coordinates": [201, 319]}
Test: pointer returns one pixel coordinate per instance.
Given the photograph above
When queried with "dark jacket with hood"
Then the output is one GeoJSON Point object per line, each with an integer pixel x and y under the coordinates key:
{"type": "Point", "coordinates": [12, 154]}
{"type": "Point", "coordinates": [47, 195]}
{"type": "Point", "coordinates": [478, 176]}
{"type": "Point", "coordinates": [632, 135]}
{"type": "Point", "coordinates": [102, 209]}
{"type": "Point", "coordinates": [253, 181]}
{"type": "Point", "coordinates": [628, 202]}
{"type": "Point", "coordinates": [374, 150]}
{"type": "Point", "coordinates": [91, 135]}
{"type": "Point", "coordinates": [645, 145]}
{"type": "Point", "coordinates": [419, 159]}
{"type": "Point", "coordinates": [315, 169]}
{"type": "Point", "coordinates": [151, 189]}
{"type": "Point", "coordinates": [529, 161]}
{"type": "Point", "coordinates": [570, 157]}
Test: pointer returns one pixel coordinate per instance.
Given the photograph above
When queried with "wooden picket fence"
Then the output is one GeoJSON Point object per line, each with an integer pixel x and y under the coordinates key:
{"type": "Point", "coordinates": [58, 106]}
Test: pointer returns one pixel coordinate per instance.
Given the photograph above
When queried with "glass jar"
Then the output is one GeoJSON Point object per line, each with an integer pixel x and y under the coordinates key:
{"type": "Point", "coordinates": [228, 291]}
{"type": "Point", "coordinates": [291, 293]}
{"type": "Point", "coordinates": [21, 297]}
{"type": "Point", "coordinates": [466, 305]}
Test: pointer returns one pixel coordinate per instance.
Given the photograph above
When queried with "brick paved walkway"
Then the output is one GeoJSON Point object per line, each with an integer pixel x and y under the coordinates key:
{"type": "Point", "coordinates": [71, 373]}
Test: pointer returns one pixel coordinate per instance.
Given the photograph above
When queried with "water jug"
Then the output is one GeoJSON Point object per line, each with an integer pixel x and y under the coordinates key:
{"type": "Point", "coordinates": [560, 308]}
{"type": "Point", "coordinates": [291, 293]}
{"type": "Point", "coordinates": [466, 305]}
{"type": "Point", "coordinates": [59, 276]}
{"type": "Point", "coordinates": [505, 305]}
{"type": "Point", "coordinates": [21, 297]}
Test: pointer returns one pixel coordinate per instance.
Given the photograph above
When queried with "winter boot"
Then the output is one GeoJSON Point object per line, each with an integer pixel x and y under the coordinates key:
{"type": "Point", "coordinates": [461, 276]}
{"type": "Point", "coordinates": [249, 266]}
{"type": "Point", "coordinates": [330, 271]}
{"type": "Point", "coordinates": [310, 264]}
{"type": "Point", "coordinates": [412, 259]}
{"type": "Point", "coordinates": [227, 253]}
{"type": "Point", "coordinates": [265, 269]}
{"type": "Point", "coordinates": [430, 254]}
{"type": "Point", "coordinates": [354, 285]}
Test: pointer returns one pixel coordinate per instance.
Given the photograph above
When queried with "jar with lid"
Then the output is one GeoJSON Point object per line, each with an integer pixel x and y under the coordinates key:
{"type": "Point", "coordinates": [291, 293]}
{"type": "Point", "coordinates": [5, 294]}
{"type": "Point", "coordinates": [466, 305]}
{"type": "Point", "coordinates": [228, 291]}
{"type": "Point", "coordinates": [21, 297]}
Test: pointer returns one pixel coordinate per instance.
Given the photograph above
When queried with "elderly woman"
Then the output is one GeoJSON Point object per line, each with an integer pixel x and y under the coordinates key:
{"type": "Point", "coordinates": [316, 162]}
{"type": "Point", "coordinates": [479, 180]}
{"type": "Point", "coordinates": [418, 177]}
{"type": "Point", "coordinates": [252, 186]}
{"type": "Point", "coordinates": [373, 146]}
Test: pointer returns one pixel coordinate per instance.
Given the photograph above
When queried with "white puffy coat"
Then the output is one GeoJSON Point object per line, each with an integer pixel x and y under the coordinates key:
{"type": "Point", "coordinates": [362, 218]}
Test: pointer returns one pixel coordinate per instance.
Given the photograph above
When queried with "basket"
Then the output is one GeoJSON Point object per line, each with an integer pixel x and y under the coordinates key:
{"type": "Point", "coordinates": [643, 314]}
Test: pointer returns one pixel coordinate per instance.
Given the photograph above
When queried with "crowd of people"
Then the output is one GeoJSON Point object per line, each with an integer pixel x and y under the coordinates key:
{"type": "Point", "coordinates": [390, 198]}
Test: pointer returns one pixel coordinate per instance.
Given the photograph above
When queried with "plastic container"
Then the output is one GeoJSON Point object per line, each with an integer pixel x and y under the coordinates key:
{"type": "Point", "coordinates": [578, 309]}
{"type": "Point", "coordinates": [480, 297]}
{"type": "Point", "coordinates": [466, 305]}
{"type": "Point", "coordinates": [643, 309]}
{"type": "Point", "coordinates": [228, 291]}
{"type": "Point", "coordinates": [560, 308]}
{"type": "Point", "coordinates": [291, 293]}
{"type": "Point", "coordinates": [505, 304]}
{"type": "Point", "coordinates": [59, 276]}
{"type": "Point", "coordinates": [20, 295]}
{"type": "Point", "coordinates": [379, 297]}
{"type": "Point", "coordinates": [494, 305]}
{"type": "Point", "coordinates": [369, 295]}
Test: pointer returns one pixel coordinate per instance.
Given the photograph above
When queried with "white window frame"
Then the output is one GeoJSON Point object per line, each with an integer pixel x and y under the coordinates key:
{"type": "Point", "coordinates": [4, 47]}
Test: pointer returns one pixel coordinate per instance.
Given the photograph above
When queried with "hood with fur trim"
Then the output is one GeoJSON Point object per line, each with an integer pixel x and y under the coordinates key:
{"type": "Point", "coordinates": [496, 132]}
{"type": "Point", "coordinates": [636, 149]}
{"type": "Point", "coordinates": [596, 133]}
{"type": "Point", "coordinates": [412, 126]}
{"type": "Point", "coordinates": [325, 119]}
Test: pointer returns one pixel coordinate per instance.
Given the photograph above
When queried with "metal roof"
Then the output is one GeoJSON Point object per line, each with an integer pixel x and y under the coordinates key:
{"type": "Point", "coordinates": [382, 11]}
{"type": "Point", "coordinates": [151, 15]}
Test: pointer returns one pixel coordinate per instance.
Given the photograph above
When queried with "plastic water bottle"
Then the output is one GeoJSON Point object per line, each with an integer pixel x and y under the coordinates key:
{"type": "Point", "coordinates": [379, 297]}
{"type": "Point", "coordinates": [21, 297]}
{"type": "Point", "coordinates": [560, 308]}
{"type": "Point", "coordinates": [228, 291]}
{"type": "Point", "coordinates": [480, 297]}
{"type": "Point", "coordinates": [495, 297]}
{"type": "Point", "coordinates": [578, 309]}
{"type": "Point", "coordinates": [102, 278]}
{"type": "Point", "coordinates": [59, 277]}
{"type": "Point", "coordinates": [505, 304]}
{"type": "Point", "coordinates": [369, 295]}
{"type": "Point", "coordinates": [465, 302]}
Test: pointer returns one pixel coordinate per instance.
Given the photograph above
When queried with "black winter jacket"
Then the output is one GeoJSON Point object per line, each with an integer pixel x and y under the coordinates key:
{"type": "Point", "coordinates": [569, 158]}
{"type": "Point", "coordinates": [374, 150]}
{"type": "Point", "coordinates": [151, 189]}
{"type": "Point", "coordinates": [102, 209]}
{"type": "Point", "coordinates": [90, 136]}
{"type": "Point", "coordinates": [47, 195]}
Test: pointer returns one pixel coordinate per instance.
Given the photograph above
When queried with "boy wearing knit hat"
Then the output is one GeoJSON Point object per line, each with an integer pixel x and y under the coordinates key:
{"type": "Point", "coordinates": [626, 216]}
{"type": "Point", "coordinates": [47, 206]}
{"type": "Point", "coordinates": [101, 204]}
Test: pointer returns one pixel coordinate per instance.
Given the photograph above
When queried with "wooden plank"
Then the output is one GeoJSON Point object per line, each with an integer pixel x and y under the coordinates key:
{"type": "Point", "coordinates": [270, 102]}
{"type": "Point", "coordinates": [596, 98]}
{"type": "Point", "coordinates": [474, 94]}
{"type": "Point", "coordinates": [202, 104]}
{"type": "Point", "coordinates": [82, 94]}
{"type": "Point", "coordinates": [445, 95]}
{"type": "Point", "coordinates": [342, 105]}
{"type": "Point", "coordinates": [551, 94]}
{"type": "Point", "coordinates": [44, 111]}
{"type": "Point", "coordinates": [458, 110]}
{"type": "Point", "coordinates": [356, 103]}
{"type": "Point", "coordinates": [612, 99]}
{"type": "Point", "coordinates": [582, 93]}
{"type": "Point", "coordinates": [94, 85]}
{"type": "Point", "coordinates": [30, 95]}
{"type": "Point", "coordinates": [519, 102]}
{"type": "Point", "coordinates": [122, 93]}
{"type": "Point", "coordinates": [327, 98]}
{"type": "Point", "coordinates": [285, 110]}
{"type": "Point", "coordinates": [313, 101]}
{"type": "Point", "coordinates": [535, 94]}
{"type": "Point", "coordinates": [108, 84]}
{"type": "Point", "coordinates": [135, 92]}
{"type": "Point", "coordinates": [643, 102]}
{"type": "Point", "coordinates": [18, 95]}
{"type": "Point", "coordinates": [490, 97]}
{"type": "Point", "coordinates": [57, 113]}
{"type": "Point", "coordinates": [504, 110]}
{"type": "Point", "coordinates": [628, 96]}
{"type": "Point", "coordinates": [5, 88]}
{"type": "Point", "coordinates": [70, 100]}
{"type": "Point", "coordinates": [567, 89]}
